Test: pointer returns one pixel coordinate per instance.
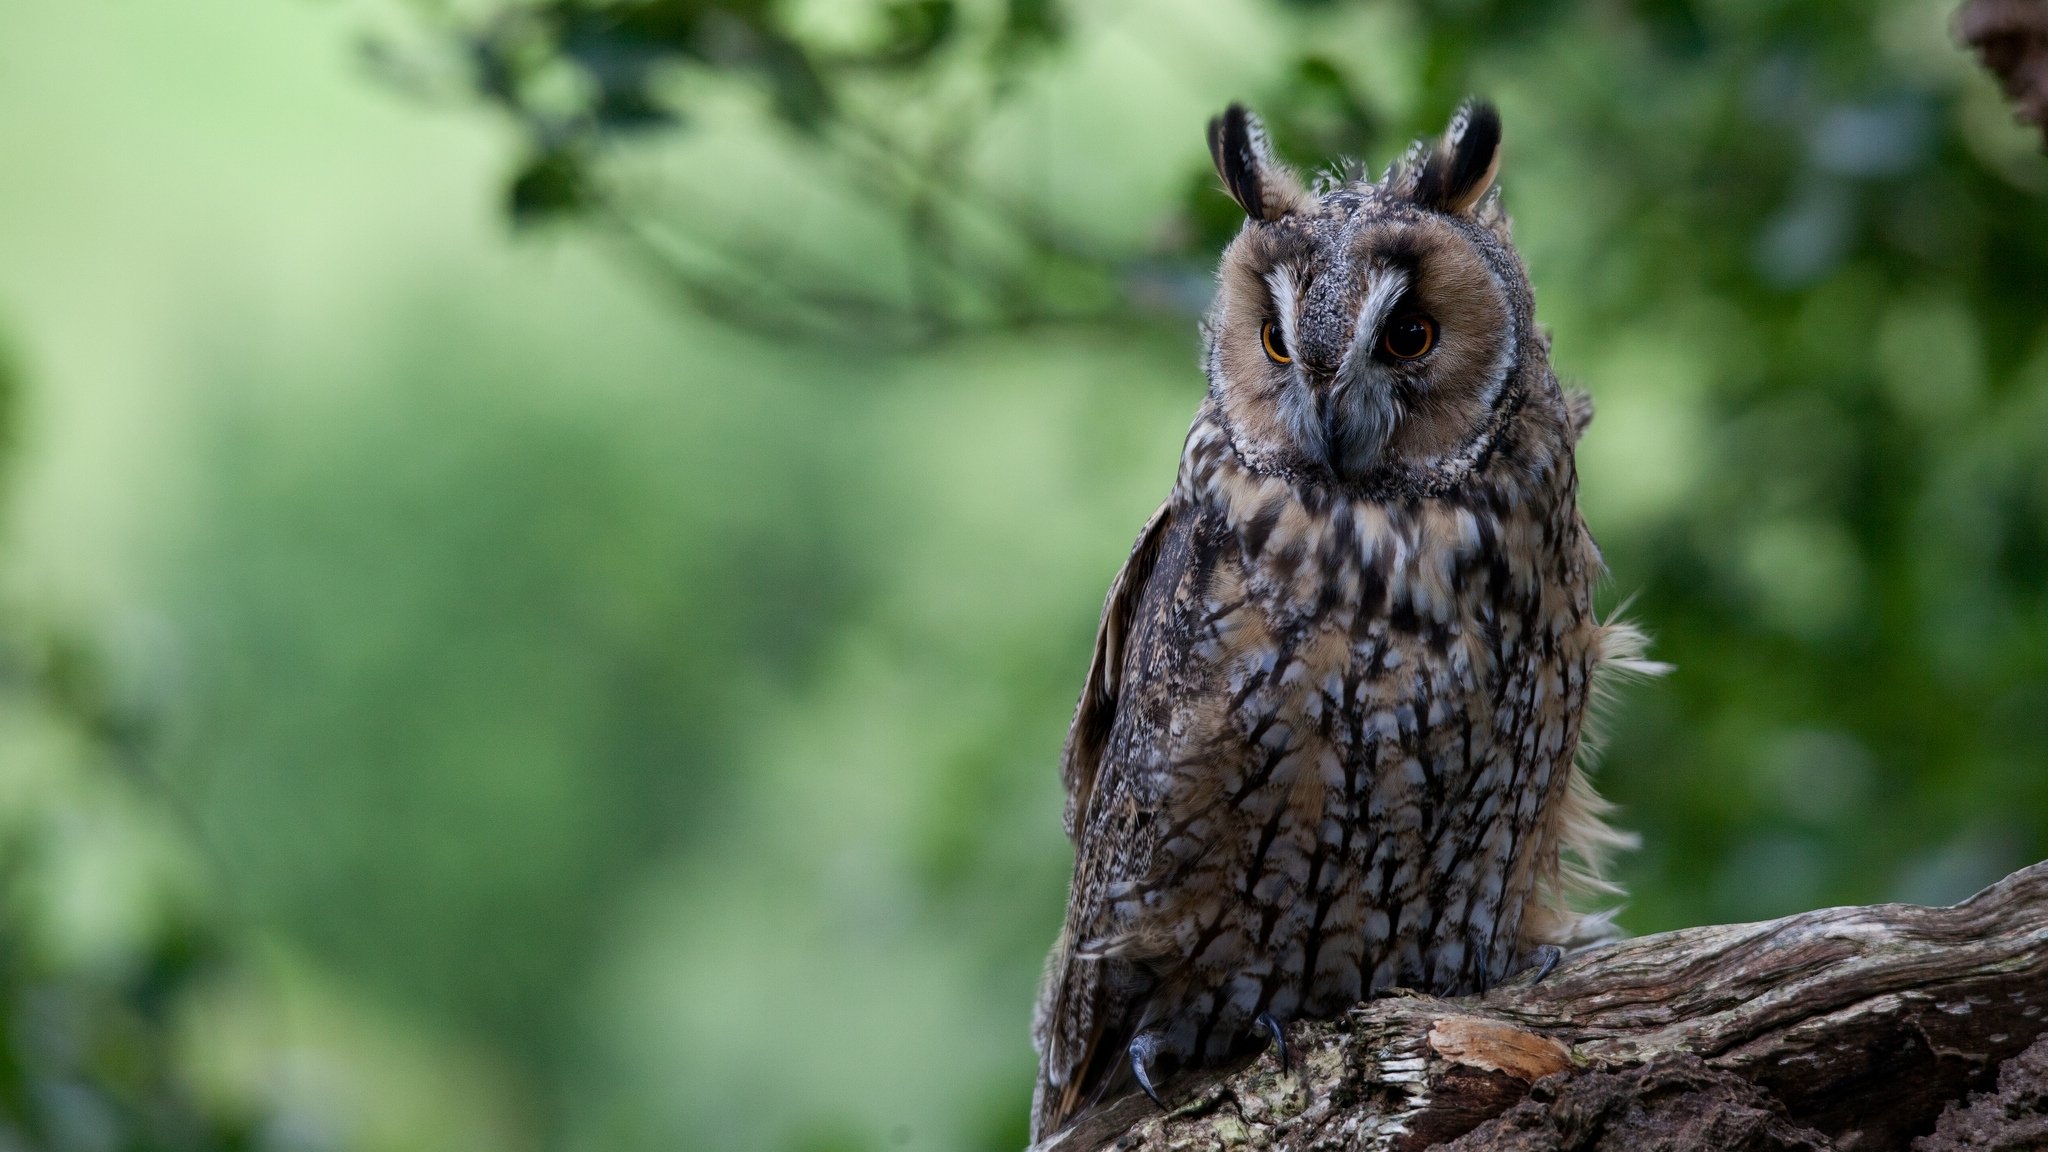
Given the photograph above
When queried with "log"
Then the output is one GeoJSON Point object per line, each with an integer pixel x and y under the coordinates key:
{"type": "Point", "coordinates": [1846, 1028]}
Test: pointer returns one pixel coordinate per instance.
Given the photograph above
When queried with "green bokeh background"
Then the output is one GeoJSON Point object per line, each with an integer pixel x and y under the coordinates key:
{"type": "Point", "coordinates": [457, 696]}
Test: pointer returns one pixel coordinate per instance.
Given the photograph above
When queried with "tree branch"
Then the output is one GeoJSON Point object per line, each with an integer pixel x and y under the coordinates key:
{"type": "Point", "coordinates": [1846, 1028]}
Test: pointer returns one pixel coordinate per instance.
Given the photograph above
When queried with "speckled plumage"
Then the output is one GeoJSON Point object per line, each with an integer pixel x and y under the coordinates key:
{"type": "Point", "coordinates": [1328, 742]}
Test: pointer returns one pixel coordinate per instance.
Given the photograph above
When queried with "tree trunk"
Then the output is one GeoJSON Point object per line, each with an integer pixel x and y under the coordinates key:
{"type": "Point", "coordinates": [1846, 1028]}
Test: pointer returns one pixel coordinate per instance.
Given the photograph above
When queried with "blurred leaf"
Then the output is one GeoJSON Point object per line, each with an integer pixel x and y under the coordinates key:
{"type": "Point", "coordinates": [1031, 23]}
{"type": "Point", "coordinates": [917, 28]}
{"type": "Point", "coordinates": [551, 185]}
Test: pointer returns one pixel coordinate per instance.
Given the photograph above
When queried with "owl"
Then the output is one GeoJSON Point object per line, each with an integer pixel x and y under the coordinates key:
{"type": "Point", "coordinates": [1328, 744]}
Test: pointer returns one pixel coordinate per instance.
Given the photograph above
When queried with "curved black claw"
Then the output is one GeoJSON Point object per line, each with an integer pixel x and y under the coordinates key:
{"type": "Point", "coordinates": [1273, 1029]}
{"type": "Point", "coordinates": [1547, 957]}
{"type": "Point", "coordinates": [1141, 1050]}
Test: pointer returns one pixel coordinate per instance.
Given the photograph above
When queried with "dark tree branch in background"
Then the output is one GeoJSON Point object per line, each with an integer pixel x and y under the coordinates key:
{"type": "Point", "coordinates": [2011, 39]}
{"type": "Point", "coordinates": [1847, 1028]}
{"type": "Point", "coordinates": [586, 82]}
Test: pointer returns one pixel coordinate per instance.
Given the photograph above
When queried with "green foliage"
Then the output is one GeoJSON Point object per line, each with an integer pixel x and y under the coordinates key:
{"type": "Point", "coordinates": [104, 939]}
{"type": "Point", "coordinates": [589, 717]}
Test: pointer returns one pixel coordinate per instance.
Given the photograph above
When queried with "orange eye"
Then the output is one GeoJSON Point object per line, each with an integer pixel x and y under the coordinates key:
{"type": "Point", "coordinates": [1409, 337]}
{"type": "Point", "coordinates": [1276, 344]}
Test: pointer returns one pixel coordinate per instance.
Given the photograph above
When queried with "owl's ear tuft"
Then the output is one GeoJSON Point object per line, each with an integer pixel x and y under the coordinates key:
{"type": "Point", "coordinates": [1462, 166]}
{"type": "Point", "coordinates": [1264, 187]}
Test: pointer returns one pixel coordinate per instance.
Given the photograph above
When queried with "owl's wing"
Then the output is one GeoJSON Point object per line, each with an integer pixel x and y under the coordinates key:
{"type": "Point", "coordinates": [1095, 715]}
{"type": "Point", "coordinates": [1086, 998]}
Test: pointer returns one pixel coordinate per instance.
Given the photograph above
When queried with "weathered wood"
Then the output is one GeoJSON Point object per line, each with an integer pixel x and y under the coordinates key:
{"type": "Point", "coordinates": [1846, 1028]}
{"type": "Point", "coordinates": [2011, 1118]}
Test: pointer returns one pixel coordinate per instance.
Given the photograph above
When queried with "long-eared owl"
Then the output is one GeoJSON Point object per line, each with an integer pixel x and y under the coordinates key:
{"type": "Point", "coordinates": [1328, 743]}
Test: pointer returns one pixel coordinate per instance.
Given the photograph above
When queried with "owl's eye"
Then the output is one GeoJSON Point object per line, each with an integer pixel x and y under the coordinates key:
{"type": "Point", "coordinates": [1409, 337]}
{"type": "Point", "coordinates": [1276, 344]}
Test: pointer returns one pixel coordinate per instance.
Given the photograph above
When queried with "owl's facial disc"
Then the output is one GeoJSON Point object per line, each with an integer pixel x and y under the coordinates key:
{"type": "Point", "coordinates": [1334, 400]}
{"type": "Point", "coordinates": [1357, 337]}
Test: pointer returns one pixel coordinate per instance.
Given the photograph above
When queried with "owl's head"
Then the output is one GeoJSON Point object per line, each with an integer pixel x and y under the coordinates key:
{"type": "Point", "coordinates": [1366, 332]}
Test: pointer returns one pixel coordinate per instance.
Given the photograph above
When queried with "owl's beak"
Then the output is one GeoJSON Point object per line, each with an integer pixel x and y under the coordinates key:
{"type": "Point", "coordinates": [1358, 417]}
{"type": "Point", "coordinates": [1358, 406]}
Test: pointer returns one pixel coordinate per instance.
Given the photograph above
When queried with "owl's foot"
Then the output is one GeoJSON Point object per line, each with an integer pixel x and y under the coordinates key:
{"type": "Point", "coordinates": [1279, 1036]}
{"type": "Point", "coordinates": [1545, 958]}
{"type": "Point", "coordinates": [1143, 1047]}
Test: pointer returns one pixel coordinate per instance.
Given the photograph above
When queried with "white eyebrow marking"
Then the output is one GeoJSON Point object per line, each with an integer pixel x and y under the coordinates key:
{"type": "Point", "coordinates": [1294, 402]}
{"type": "Point", "coordinates": [1386, 286]}
{"type": "Point", "coordinates": [1280, 282]}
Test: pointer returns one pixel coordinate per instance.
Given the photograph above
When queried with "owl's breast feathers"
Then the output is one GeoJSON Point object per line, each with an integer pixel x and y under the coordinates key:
{"type": "Point", "coordinates": [1326, 747]}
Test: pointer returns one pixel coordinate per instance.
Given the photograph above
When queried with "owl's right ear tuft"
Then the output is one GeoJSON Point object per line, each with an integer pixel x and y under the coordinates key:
{"type": "Point", "coordinates": [1264, 187]}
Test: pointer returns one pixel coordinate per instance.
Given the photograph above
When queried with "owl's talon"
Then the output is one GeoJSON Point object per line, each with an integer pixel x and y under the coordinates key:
{"type": "Point", "coordinates": [1279, 1036]}
{"type": "Point", "coordinates": [1141, 1050]}
{"type": "Point", "coordinates": [1547, 957]}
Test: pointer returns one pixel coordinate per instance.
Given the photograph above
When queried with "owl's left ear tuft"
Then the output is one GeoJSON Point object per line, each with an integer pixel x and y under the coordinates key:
{"type": "Point", "coordinates": [1458, 172]}
{"type": "Point", "coordinates": [1263, 186]}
